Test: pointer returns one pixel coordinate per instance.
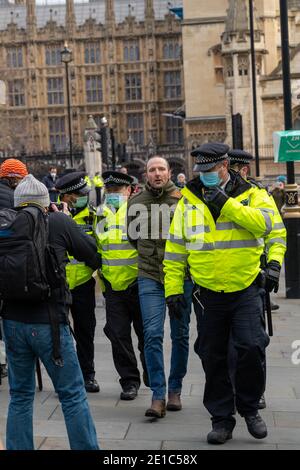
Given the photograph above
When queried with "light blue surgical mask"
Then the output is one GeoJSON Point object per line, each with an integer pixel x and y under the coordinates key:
{"type": "Point", "coordinates": [210, 179]}
{"type": "Point", "coordinates": [115, 199]}
{"type": "Point", "coordinates": [81, 202]}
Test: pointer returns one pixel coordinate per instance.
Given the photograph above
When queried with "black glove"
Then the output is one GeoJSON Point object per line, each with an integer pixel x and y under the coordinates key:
{"type": "Point", "coordinates": [272, 274]}
{"type": "Point", "coordinates": [215, 196]}
{"type": "Point", "coordinates": [175, 305]}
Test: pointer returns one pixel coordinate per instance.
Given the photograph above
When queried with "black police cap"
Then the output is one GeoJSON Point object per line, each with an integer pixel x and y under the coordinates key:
{"type": "Point", "coordinates": [116, 178]}
{"type": "Point", "coordinates": [239, 156]}
{"type": "Point", "coordinates": [73, 183]}
{"type": "Point", "coordinates": [209, 154]}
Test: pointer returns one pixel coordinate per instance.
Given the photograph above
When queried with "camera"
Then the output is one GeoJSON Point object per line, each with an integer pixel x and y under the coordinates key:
{"type": "Point", "coordinates": [60, 207]}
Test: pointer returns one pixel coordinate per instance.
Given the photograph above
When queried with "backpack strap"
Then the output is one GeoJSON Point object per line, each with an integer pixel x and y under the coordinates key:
{"type": "Point", "coordinates": [36, 213]}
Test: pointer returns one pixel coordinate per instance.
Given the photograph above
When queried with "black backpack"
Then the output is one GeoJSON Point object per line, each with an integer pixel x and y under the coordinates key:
{"type": "Point", "coordinates": [28, 265]}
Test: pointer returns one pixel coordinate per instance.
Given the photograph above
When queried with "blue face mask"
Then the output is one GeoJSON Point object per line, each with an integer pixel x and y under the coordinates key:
{"type": "Point", "coordinates": [115, 199]}
{"type": "Point", "coordinates": [81, 202]}
{"type": "Point", "coordinates": [210, 179]}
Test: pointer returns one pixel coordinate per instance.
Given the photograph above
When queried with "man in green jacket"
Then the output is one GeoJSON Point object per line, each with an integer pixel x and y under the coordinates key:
{"type": "Point", "coordinates": [149, 216]}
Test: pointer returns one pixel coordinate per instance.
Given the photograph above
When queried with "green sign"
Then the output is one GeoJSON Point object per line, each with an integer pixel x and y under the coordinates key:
{"type": "Point", "coordinates": [286, 146]}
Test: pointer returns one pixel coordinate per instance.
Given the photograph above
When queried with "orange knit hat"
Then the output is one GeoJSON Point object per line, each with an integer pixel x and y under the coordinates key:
{"type": "Point", "coordinates": [13, 168]}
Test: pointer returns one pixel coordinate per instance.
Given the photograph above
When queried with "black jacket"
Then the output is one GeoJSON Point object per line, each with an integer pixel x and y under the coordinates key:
{"type": "Point", "coordinates": [50, 184]}
{"type": "Point", "coordinates": [65, 236]}
{"type": "Point", "coordinates": [6, 195]}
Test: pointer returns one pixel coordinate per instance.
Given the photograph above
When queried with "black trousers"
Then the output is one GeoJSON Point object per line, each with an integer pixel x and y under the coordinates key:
{"type": "Point", "coordinates": [238, 316]}
{"type": "Point", "coordinates": [122, 310]}
{"type": "Point", "coordinates": [84, 320]}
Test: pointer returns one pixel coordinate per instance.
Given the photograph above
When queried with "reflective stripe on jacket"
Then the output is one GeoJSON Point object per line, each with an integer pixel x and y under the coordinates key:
{"type": "Point", "coordinates": [276, 240]}
{"type": "Point", "coordinates": [119, 257]}
{"type": "Point", "coordinates": [77, 271]}
{"type": "Point", "coordinates": [223, 256]}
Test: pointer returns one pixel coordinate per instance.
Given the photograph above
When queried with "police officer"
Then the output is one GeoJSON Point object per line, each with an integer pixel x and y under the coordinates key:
{"type": "Point", "coordinates": [119, 272]}
{"type": "Point", "coordinates": [275, 241]}
{"type": "Point", "coordinates": [98, 184]}
{"type": "Point", "coordinates": [74, 190]}
{"type": "Point", "coordinates": [218, 230]}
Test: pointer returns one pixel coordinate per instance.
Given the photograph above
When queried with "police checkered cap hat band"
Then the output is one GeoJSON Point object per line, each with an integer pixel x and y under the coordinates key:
{"type": "Point", "coordinates": [239, 156]}
{"type": "Point", "coordinates": [73, 183]}
{"type": "Point", "coordinates": [116, 178]}
{"type": "Point", "coordinates": [209, 154]}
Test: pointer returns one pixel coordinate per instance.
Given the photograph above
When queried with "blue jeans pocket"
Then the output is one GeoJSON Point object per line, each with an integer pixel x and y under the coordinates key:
{"type": "Point", "coordinates": [10, 338]}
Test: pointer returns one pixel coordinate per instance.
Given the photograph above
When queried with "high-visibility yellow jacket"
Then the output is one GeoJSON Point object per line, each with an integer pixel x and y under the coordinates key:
{"type": "Point", "coordinates": [77, 271]}
{"type": "Point", "coordinates": [97, 181]}
{"type": "Point", "coordinates": [223, 256]}
{"type": "Point", "coordinates": [88, 181]}
{"type": "Point", "coordinates": [275, 241]}
{"type": "Point", "coordinates": [119, 257]}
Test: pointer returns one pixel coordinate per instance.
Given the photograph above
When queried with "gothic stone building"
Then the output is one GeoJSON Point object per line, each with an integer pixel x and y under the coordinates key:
{"type": "Point", "coordinates": [127, 66]}
{"type": "Point", "coordinates": [217, 73]}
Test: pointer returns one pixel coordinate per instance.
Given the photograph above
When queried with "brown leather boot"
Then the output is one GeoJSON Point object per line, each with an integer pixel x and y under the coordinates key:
{"type": "Point", "coordinates": [174, 402]}
{"type": "Point", "coordinates": [157, 410]}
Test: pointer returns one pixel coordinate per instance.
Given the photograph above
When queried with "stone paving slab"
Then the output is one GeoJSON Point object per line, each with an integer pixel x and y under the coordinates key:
{"type": "Point", "coordinates": [122, 425]}
{"type": "Point", "coordinates": [63, 444]}
{"type": "Point", "coordinates": [55, 429]}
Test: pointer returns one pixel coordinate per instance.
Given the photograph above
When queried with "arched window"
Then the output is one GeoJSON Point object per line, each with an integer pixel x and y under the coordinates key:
{"type": "Point", "coordinates": [131, 51]}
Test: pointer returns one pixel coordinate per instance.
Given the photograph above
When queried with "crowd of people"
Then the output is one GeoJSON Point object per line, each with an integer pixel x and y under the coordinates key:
{"type": "Point", "coordinates": [166, 246]}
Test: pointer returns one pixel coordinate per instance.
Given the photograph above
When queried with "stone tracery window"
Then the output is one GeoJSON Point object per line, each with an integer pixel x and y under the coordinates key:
{"type": "Point", "coordinates": [57, 132]}
{"type": "Point", "coordinates": [14, 57]}
{"type": "Point", "coordinates": [92, 53]}
{"type": "Point", "coordinates": [243, 66]}
{"type": "Point", "coordinates": [16, 93]}
{"type": "Point", "coordinates": [135, 126]}
{"type": "Point", "coordinates": [133, 86]}
{"type": "Point", "coordinates": [53, 55]}
{"type": "Point", "coordinates": [172, 84]}
{"type": "Point", "coordinates": [55, 90]}
{"type": "Point", "coordinates": [171, 50]}
{"type": "Point", "coordinates": [131, 51]}
{"type": "Point", "coordinates": [94, 91]}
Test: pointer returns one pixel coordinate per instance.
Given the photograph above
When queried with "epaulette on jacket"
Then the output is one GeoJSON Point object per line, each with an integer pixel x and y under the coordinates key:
{"type": "Point", "coordinates": [256, 184]}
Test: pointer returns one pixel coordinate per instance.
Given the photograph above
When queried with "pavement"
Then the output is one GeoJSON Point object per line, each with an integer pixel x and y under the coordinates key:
{"type": "Point", "coordinates": [122, 425]}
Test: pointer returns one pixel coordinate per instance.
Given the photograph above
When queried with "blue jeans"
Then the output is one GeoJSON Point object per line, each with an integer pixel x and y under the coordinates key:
{"type": "Point", "coordinates": [24, 342]}
{"type": "Point", "coordinates": [153, 307]}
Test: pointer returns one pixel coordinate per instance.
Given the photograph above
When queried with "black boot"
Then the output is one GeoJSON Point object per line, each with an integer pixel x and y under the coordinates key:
{"type": "Point", "coordinates": [256, 426]}
{"type": "Point", "coordinates": [262, 403]}
{"type": "Point", "coordinates": [221, 432]}
{"type": "Point", "coordinates": [91, 386]}
{"type": "Point", "coordinates": [219, 436]}
{"type": "Point", "coordinates": [129, 392]}
{"type": "Point", "coordinates": [274, 306]}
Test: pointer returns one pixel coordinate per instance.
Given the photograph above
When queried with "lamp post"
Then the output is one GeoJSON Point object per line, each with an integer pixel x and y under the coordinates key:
{"type": "Point", "coordinates": [291, 209]}
{"type": "Point", "coordinates": [104, 141]}
{"type": "Point", "coordinates": [254, 97]}
{"type": "Point", "coordinates": [66, 58]}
